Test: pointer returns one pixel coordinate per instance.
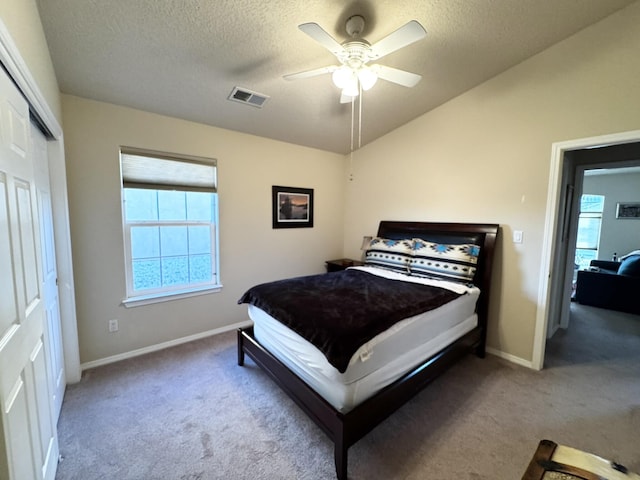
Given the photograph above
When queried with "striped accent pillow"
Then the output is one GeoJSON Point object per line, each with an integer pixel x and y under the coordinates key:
{"type": "Point", "coordinates": [446, 262]}
{"type": "Point", "coordinates": [389, 254]}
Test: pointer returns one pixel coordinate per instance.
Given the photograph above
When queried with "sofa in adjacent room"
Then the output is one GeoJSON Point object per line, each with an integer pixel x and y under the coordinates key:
{"type": "Point", "coordinates": [611, 285]}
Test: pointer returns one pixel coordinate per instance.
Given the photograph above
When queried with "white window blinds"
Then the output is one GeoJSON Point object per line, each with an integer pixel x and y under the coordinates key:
{"type": "Point", "coordinates": [156, 170]}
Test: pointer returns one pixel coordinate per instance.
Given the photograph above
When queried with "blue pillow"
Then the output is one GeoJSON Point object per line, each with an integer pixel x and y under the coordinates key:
{"type": "Point", "coordinates": [630, 266]}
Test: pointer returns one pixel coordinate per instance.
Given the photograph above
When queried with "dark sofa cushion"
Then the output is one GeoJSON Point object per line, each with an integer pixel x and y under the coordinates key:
{"type": "Point", "coordinates": [630, 266]}
{"type": "Point", "coordinates": [605, 266]}
{"type": "Point", "coordinates": [608, 290]}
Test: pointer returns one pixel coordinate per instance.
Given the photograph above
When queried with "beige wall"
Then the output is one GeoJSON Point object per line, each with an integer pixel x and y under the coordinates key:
{"type": "Point", "coordinates": [251, 251]}
{"type": "Point", "coordinates": [616, 236]}
{"type": "Point", "coordinates": [22, 20]}
{"type": "Point", "coordinates": [485, 157]}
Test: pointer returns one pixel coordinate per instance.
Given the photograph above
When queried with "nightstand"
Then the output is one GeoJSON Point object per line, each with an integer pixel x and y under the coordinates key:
{"type": "Point", "coordinates": [341, 264]}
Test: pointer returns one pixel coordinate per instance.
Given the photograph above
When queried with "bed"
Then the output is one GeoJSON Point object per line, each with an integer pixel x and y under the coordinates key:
{"type": "Point", "coordinates": [350, 387]}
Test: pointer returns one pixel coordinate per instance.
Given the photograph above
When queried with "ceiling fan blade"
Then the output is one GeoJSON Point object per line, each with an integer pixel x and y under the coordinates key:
{"type": "Point", "coordinates": [390, 74]}
{"type": "Point", "coordinates": [406, 35]}
{"type": "Point", "coordinates": [310, 73]}
{"type": "Point", "coordinates": [316, 32]}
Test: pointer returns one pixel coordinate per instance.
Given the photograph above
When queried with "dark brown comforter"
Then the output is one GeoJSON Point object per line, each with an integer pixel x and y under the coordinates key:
{"type": "Point", "coordinates": [338, 312]}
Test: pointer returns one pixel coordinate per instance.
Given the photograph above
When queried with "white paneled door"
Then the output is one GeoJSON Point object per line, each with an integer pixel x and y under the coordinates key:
{"type": "Point", "coordinates": [53, 330]}
{"type": "Point", "coordinates": [28, 446]}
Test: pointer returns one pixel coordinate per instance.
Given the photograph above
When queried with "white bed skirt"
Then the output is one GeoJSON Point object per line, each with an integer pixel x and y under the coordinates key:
{"type": "Point", "coordinates": [375, 364]}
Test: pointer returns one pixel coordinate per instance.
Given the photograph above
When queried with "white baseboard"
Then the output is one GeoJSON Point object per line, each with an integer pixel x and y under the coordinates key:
{"type": "Point", "coordinates": [510, 358]}
{"type": "Point", "coordinates": [216, 331]}
{"type": "Point", "coordinates": [162, 346]}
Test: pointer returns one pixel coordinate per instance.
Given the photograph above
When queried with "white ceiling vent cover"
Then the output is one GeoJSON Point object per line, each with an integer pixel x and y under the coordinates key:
{"type": "Point", "coordinates": [248, 97]}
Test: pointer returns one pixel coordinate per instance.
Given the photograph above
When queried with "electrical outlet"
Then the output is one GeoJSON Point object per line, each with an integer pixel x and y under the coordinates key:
{"type": "Point", "coordinates": [113, 325]}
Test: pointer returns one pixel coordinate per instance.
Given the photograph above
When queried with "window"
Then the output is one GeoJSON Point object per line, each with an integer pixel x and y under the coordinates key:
{"type": "Point", "coordinates": [589, 223]}
{"type": "Point", "coordinates": [170, 216]}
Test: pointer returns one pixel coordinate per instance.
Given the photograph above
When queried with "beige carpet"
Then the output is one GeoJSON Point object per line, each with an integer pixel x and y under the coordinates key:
{"type": "Point", "coordinates": [190, 413]}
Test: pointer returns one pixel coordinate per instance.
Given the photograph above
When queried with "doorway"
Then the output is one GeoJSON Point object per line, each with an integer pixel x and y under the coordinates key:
{"type": "Point", "coordinates": [578, 163]}
{"type": "Point", "coordinates": [568, 163]}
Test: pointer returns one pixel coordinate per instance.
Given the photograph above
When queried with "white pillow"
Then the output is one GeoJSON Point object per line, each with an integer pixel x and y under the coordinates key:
{"type": "Point", "coordinates": [635, 252]}
{"type": "Point", "coordinates": [447, 262]}
{"type": "Point", "coordinates": [389, 254]}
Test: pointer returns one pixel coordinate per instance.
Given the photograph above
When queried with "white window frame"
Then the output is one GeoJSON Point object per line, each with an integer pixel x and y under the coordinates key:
{"type": "Point", "coordinates": [597, 215]}
{"type": "Point", "coordinates": [135, 298]}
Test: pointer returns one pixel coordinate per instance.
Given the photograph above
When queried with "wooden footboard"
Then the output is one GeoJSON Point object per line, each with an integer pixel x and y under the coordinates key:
{"type": "Point", "coordinates": [345, 429]}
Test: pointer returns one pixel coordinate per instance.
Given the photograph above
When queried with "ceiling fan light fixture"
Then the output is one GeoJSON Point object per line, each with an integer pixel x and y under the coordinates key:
{"type": "Point", "coordinates": [347, 79]}
{"type": "Point", "coordinates": [351, 88]}
{"type": "Point", "coordinates": [342, 76]}
{"type": "Point", "coordinates": [367, 78]}
{"type": "Point", "coordinates": [349, 95]}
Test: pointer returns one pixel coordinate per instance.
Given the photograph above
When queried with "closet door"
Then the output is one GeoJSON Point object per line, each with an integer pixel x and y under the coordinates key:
{"type": "Point", "coordinates": [28, 446]}
{"type": "Point", "coordinates": [53, 329]}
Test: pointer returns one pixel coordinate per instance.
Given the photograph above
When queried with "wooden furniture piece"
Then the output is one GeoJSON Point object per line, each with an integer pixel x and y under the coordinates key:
{"type": "Point", "coordinates": [341, 264]}
{"type": "Point", "coordinates": [345, 429]}
{"type": "Point", "coordinates": [558, 462]}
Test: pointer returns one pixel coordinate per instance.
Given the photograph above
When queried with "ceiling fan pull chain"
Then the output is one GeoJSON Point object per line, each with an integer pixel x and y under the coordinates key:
{"type": "Point", "coordinates": [352, 135]}
{"type": "Point", "coordinates": [353, 100]}
{"type": "Point", "coordinates": [360, 117]}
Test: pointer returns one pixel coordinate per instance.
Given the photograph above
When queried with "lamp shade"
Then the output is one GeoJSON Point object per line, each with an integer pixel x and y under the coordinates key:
{"type": "Point", "coordinates": [341, 76]}
{"type": "Point", "coordinates": [367, 77]}
{"type": "Point", "coordinates": [351, 87]}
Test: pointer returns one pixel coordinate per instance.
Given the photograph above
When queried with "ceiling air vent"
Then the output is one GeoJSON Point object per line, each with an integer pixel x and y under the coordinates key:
{"type": "Point", "coordinates": [248, 97]}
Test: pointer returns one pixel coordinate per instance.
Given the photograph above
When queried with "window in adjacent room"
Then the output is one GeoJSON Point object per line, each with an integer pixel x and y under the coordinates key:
{"type": "Point", "coordinates": [589, 224]}
{"type": "Point", "coordinates": [170, 217]}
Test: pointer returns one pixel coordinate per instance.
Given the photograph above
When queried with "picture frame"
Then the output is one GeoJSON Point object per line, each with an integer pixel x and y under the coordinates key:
{"type": "Point", "coordinates": [628, 210]}
{"type": "Point", "coordinates": [292, 207]}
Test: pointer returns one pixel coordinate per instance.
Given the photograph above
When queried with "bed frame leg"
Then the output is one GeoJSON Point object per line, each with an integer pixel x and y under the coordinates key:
{"type": "Point", "coordinates": [340, 455]}
{"type": "Point", "coordinates": [240, 349]}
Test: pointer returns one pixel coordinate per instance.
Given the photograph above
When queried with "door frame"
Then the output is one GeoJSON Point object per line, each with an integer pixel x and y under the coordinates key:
{"type": "Point", "coordinates": [19, 72]}
{"type": "Point", "coordinates": [552, 266]}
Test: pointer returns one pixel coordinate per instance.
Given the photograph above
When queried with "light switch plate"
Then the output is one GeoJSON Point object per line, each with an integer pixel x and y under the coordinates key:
{"type": "Point", "coordinates": [517, 236]}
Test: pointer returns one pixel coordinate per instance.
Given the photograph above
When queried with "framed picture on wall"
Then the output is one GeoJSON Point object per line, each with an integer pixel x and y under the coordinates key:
{"type": "Point", "coordinates": [628, 210]}
{"type": "Point", "coordinates": [292, 207]}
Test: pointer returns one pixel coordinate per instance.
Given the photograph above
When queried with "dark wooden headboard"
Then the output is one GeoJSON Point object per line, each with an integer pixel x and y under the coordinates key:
{"type": "Point", "coordinates": [482, 234]}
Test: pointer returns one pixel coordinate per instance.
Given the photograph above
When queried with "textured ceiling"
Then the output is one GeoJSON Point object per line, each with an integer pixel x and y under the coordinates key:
{"type": "Point", "coordinates": [183, 58]}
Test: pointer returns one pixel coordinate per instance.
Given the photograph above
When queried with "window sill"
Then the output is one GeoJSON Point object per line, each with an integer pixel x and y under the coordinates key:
{"type": "Point", "coordinates": [166, 297]}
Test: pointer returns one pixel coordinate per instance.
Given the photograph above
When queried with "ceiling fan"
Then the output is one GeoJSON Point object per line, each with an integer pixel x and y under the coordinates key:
{"type": "Point", "coordinates": [354, 55]}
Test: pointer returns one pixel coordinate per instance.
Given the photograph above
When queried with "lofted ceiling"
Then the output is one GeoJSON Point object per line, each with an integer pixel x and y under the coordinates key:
{"type": "Point", "coordinates": [183, 58]}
